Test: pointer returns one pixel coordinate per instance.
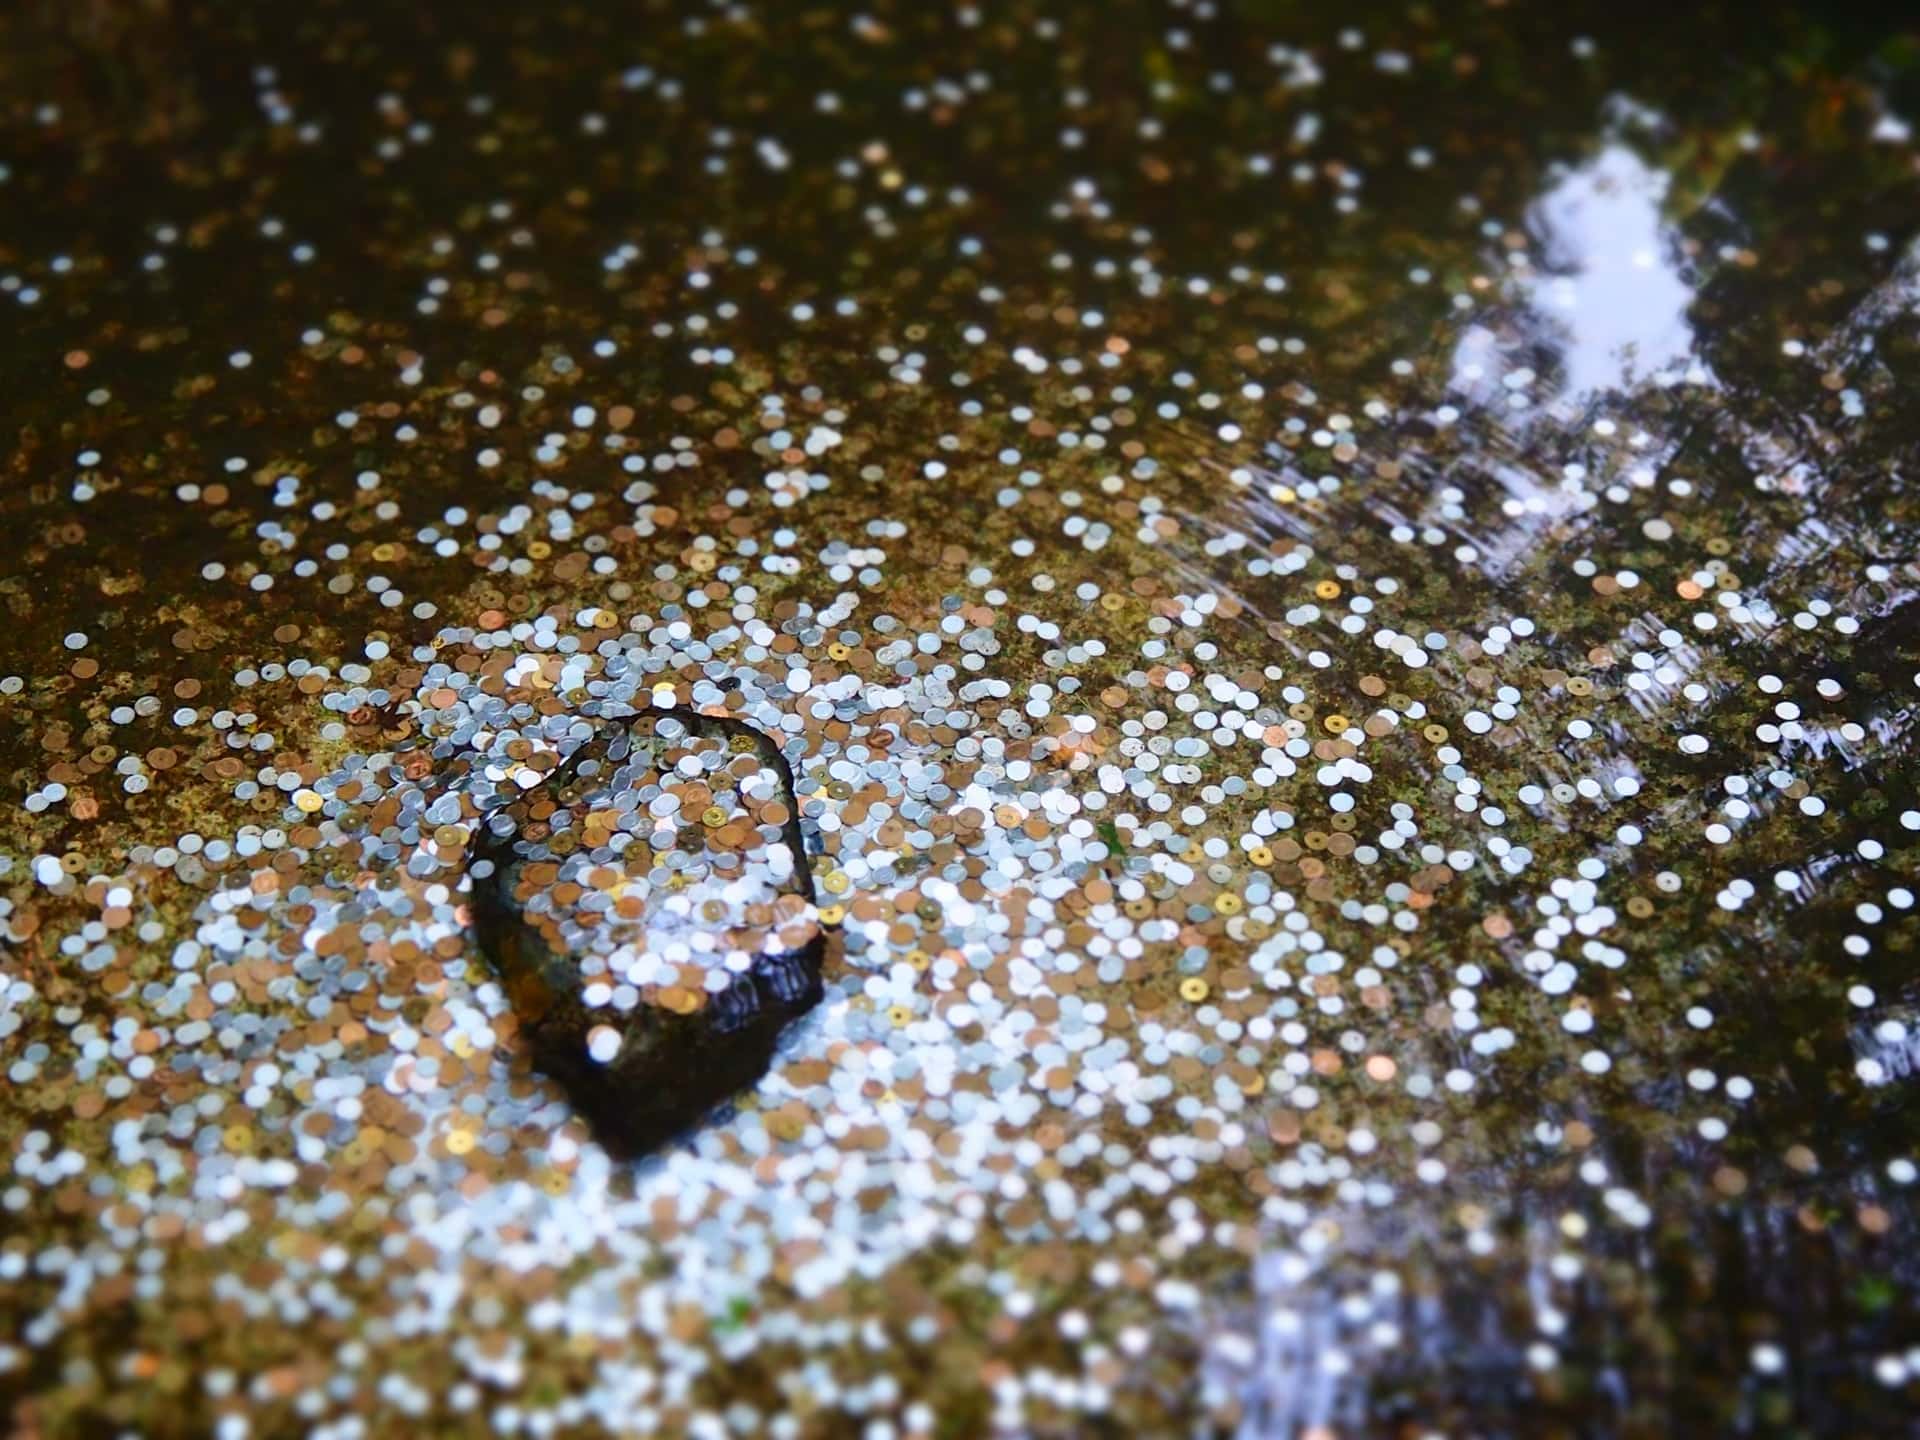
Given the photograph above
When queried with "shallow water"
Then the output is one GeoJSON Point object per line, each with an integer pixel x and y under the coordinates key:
{"type": "Point", "coordinates": [1338, 592]}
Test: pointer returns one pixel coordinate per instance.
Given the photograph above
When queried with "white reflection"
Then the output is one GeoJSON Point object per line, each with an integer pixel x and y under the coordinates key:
{"type": "Point", "coordinates": [1605, 294]}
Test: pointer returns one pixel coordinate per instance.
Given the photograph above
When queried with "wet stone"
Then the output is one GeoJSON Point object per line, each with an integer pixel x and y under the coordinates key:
{"type": "Point", "coordinates": [648, 907]}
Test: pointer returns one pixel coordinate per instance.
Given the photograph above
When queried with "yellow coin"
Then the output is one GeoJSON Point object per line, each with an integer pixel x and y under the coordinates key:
{"type": "Point", "coordinates": [1261, 856]}
{"type": "Point", "coordinates": [1336, 723]}
{"type": "Point", "coordinates": [1193, 989]}
{"type": "Point", "coordinates": [308, 800]}
{"type": "Point", "coordinates": [1227, 903]}
{"type": "Point", "coordinates": [832, 914]}
{"type": "Point", "coordinates": [836, 883]}
{"type": "Point", "coordinates": [460, 1142]}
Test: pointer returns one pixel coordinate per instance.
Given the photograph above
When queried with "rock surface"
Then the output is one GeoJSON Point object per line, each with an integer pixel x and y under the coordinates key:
{"type": "Point", "coordinates": [727, 894]}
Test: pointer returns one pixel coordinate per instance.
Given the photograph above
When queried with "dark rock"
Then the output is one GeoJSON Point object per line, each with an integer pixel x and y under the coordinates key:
{"type": "Point", "coordinates": [673, 1065]}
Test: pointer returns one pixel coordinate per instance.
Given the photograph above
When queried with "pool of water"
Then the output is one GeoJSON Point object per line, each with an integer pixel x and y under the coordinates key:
{"type": "Point", "coordinates": [1327, 595]}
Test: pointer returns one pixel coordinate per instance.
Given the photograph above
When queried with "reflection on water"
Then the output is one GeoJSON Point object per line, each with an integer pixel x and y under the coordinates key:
{"type": "Point", "coordinates": [1601, 294]}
